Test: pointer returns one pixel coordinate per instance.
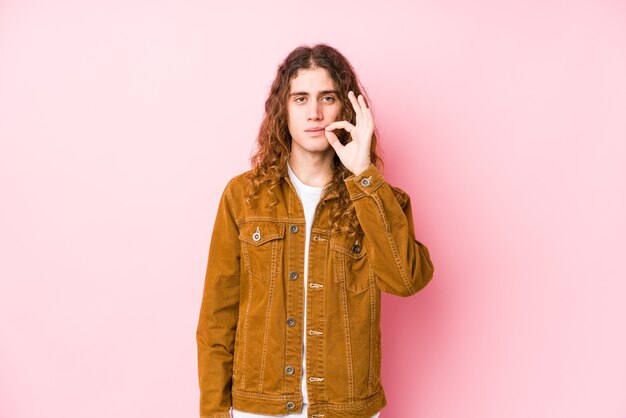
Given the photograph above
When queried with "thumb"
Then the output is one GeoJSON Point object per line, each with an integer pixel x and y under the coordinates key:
{"type": "Point", "coordinates": [334, 141]}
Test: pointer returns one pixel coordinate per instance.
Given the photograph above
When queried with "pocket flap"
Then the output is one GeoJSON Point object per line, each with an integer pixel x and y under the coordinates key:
{"type": "Point", "coordinates": [259, 232]}
{"type": "Point", "coordinates": [349, 245]}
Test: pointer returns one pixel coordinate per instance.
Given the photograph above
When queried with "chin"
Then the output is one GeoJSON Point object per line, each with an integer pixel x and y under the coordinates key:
{"type": "Point", "coordinates": [317, 145]}
{"type": "Point", "coordinates": [321, 148]}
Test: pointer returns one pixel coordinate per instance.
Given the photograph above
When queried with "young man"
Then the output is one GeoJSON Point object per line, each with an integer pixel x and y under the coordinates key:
{"type": "Point", "coordinates": [302, 246]}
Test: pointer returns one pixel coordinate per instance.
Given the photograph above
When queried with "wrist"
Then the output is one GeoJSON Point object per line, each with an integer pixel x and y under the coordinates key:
{"type": "Point", "coordinates": [359, 170]}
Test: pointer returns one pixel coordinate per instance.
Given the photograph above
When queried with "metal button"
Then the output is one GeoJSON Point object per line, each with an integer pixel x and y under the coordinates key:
{"type": "Point", "coordinates": [293, 275]}
{"type": "Point", "coordinates": [356, 248]}
{"type": "Point", "coordinates": [291, 405]}
{"type": "Point", "coordinates": [291, 322]}
{"type": "Point", "coordinates": [365, 182]}
{"type": "Point", "coordinates": [257, 234]}
{"type": "Point", "coordinates": [293, 228]}
{"type": "Point", "coordinates": [289, 370]}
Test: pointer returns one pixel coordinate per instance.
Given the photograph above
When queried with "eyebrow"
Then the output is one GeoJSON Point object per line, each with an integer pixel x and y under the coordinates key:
{"type": "Point", "coordinates": [304, 93]}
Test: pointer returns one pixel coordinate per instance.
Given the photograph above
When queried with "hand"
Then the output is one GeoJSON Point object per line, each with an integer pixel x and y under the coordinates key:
{"type": "Point", "coordinates": [355, 155]}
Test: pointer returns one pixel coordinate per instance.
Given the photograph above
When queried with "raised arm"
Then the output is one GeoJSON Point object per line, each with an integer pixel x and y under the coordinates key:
{"type": "Point", "coordinates": [401, 263]}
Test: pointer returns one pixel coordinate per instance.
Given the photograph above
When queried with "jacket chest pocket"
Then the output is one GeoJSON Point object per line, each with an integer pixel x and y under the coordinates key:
{"type": "Point", "coordinates": [261, 247]}
{"type": "Point", "coordinates": [350, 264]}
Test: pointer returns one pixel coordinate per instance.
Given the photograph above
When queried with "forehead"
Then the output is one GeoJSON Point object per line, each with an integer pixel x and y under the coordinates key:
{"type": "Point", "coordinates": [312, 80]}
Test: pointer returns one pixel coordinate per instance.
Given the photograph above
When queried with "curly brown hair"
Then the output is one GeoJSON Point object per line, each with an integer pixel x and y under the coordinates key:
{"type": "Point", "coordinates": [269, 160]}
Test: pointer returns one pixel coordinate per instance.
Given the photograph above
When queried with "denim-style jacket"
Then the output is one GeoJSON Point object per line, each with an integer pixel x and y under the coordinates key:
{"type": "Point", "coordinates": [250, 328]}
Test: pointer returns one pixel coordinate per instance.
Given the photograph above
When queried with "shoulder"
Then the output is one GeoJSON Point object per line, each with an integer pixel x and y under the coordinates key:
{"type": "Point", "coordinates": [236, 185]}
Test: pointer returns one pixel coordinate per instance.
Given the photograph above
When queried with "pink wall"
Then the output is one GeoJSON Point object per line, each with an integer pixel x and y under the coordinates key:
{"type": "Point", "coordinates": [121, 121]}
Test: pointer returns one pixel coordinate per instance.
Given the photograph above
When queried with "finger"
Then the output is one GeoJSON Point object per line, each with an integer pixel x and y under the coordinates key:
{"type": "Point", "coordinates": [366, 112]}
{"type": "Point", "coordinates": [368, 117]}
{"type": "Point", "coordinates": [340, 124]}
{"type": "Point", "coordinates": [355, 105]}
{"type": "Point", "coordinates": [334, 141]}
{"type": "Point", "coordinates": [362, 103]}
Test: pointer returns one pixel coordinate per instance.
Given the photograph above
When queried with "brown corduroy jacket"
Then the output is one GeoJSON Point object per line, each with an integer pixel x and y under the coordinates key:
{"type": "Point", "coordinates": [250, 327]}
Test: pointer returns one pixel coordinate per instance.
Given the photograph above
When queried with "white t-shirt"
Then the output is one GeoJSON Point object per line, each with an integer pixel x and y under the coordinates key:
{"type": "Point", "coordinates": [310, 197]}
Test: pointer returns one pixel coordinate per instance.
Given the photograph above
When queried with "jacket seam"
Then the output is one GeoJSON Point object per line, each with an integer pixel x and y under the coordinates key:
{"type": "Point", "coordinates": [264, 396]}
{"type": "Point", "coordinates": [392, 244]}
{"type": "Point", "coordinates": [267, 324]}
{"type": "Point", "coordinates": [241, 221]}
{"type": "Point", "coordinates": [346, 322]}
{"type": "Point", "coordinates": [221, 415]}
{"type": "Point", "coordinates": [323, 405]}
{"type": "Point", "coordinates": [245, 335]}
{"type": "Point", "coordinates": [370, 385]}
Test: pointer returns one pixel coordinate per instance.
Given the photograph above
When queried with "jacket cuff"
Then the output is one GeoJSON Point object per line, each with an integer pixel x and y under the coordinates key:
{"type": "Point", "coordinates": [365, 183]}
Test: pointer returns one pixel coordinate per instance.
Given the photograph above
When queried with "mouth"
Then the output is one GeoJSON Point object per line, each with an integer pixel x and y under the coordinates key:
{"type": "Point", "coordinates": [316, 132]}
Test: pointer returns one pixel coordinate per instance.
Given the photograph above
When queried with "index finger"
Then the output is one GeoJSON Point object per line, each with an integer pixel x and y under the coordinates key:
{"type": "Point", "coordinates": [355, 105]}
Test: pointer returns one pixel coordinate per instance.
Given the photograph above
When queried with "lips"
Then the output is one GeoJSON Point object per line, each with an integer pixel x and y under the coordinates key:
{"type": "Point", "coordinates": [314, 129]}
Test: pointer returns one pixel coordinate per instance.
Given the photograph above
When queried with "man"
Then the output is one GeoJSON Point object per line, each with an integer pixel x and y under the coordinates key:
{"type": "Point", "coordinates": [302, 246]}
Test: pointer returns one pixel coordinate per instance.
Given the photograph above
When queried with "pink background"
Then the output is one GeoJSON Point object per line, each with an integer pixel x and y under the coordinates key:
{"type": "Point", "coordinates": [121, 121]}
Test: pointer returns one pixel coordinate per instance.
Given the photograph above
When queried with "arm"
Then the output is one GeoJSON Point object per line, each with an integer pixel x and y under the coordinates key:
{"type": "Point", "coordinates": [219, 313]}
{"type": "Point", "coordinates": [401, 264]}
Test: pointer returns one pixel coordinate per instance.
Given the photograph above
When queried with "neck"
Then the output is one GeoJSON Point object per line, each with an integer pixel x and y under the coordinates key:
{"type": "Point", "coordinates": [312, 169]}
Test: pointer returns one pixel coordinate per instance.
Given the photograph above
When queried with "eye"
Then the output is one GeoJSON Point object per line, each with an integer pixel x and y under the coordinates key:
{"type": "Point", "coordinates": [332, 99]}
{"type": "Point", "coordinates": [297, 99]}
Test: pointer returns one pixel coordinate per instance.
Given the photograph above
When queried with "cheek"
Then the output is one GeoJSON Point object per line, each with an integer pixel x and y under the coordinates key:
{"type": "Point", "coordinates": [291, 118]}
{"type": "Point", "coordinates": [336, 113]}
{"type": "Point", "coordinates": [294, 114]}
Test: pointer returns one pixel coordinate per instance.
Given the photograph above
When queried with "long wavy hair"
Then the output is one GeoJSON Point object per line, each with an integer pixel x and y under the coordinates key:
{"type": "Point", "coordinates": [269, 160]}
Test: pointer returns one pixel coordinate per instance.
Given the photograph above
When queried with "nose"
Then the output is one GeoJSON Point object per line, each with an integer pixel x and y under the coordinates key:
{"type": "Point", "coordinates": [314, 110]}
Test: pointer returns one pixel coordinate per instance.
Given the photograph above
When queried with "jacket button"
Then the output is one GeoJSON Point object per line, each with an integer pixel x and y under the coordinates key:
{"type": "Point", "coordinates": [291, 405]}
{"type": "Point", "coordinates": [257, 235]}
{"type": "Point", "coordinates": [365, 182]}
{"type": "Point", "coordinates": [291, 322]}
{"type": "Point", "coordinates": [293, 275]}
{"type": "Point", "coordinates": [289, 370]}
{"type": "Point", "coordinates": [356, 248]}
{"type": "Point", "coordinates": [293, 228]}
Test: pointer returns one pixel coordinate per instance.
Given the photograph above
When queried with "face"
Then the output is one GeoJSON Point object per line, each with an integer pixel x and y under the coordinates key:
{"type": "Point", "coordinates": [312, 105]}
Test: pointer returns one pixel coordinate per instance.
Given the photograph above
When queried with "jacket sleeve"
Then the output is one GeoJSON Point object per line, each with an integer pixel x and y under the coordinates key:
{"type": "Point", "coordinates": [219, 313]}
{"type": "Point", "coordinates": [401, 264]}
